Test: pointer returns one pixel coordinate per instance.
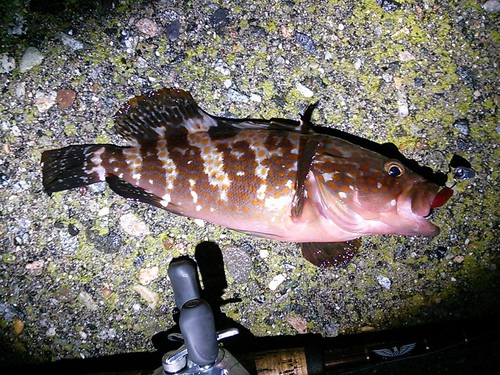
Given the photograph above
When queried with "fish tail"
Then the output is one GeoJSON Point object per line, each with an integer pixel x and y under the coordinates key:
{"type": "Point", "coordinates": [73, 166]}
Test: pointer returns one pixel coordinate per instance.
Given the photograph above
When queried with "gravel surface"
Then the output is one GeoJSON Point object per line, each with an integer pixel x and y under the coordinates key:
{"type": "Point", "coordinates": [84, 272]}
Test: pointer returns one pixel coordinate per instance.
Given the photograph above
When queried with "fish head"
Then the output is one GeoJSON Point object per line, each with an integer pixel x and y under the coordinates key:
{"type": "Point", "coordinates": [397, 199]}
{"type": "Point", "coordinates": [366, 193]}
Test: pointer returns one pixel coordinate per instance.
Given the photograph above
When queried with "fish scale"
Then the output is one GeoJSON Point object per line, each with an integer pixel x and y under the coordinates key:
{"type": "Point", "coordinates": [272, 178]}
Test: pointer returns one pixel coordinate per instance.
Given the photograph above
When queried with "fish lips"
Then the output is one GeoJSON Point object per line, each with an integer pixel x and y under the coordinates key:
{"type": "Point", "coordinates": [418, 199]}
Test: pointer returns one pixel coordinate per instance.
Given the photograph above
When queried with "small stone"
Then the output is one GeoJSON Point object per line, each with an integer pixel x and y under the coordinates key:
{"type": "Point", "coordinates": [147, 26]}
{"type": "Point", "coordinates": [173, 30]}
{"type": "Point", "coordinates": [306, 42]}
{"type": "Point", "coordinates": [238, 263]}
{"type": "Point", "coordinates": [51, 332]}
{"type": "Point", "coordinates": [88, 301]}
{"type": "Point", "coordinates": [264, 254]}
{"type": "Point", "coordinates": [389, 6]}
{"type": "Point", "coordinates": [403, 109]}
{"type": "Point", "coordinates": [72, 43]}
{"type": "Point", "coordinates": [31, 58]}
{"type": "Point", "coordinates": [405, 56]}
{"type": "Point", "coordinates": [384, 282]}
{"type": "Point", "coordinates": [298, 323]}
{"type": "Point", "coordinates": [133, 226]}
{"type": "Point", "coordinates": [18, 326]}
{"type": "Point", "coordinates": [7, 63]}
{"type": "Point", "coordinates": [148, 295]}
{"type": "Point", "coordinates": [305, 91]}
{"type": "Point", "coordinates": [35, 265]}
{"type": "Point", "coordinates": [276, 281]}
{"type": "Point", "coordinates": [256, 98]}
{"type": "Point", "coordinates": [65, 98]}
{"type": "Point", "coordinates": [44, 101]}
{"type": "Point", "coordinates": [462, 125]}
{"type": "Point", "coordinates": [492, 6]}
{"type": "Point", "coordinates": [236, 96]}
{"type": "Point", "coordinates": [148, 275]}
{"type": "Point", "coordinates": [219, 20]}
{"type": "Point", "coordinates": [73, 230]}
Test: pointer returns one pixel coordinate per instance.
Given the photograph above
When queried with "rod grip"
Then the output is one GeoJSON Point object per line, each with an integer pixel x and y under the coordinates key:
{"type": "Point", "coordinates": [196, 321]}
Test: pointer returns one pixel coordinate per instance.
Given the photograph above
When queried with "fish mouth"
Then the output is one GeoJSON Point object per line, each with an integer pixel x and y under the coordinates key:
{"type": "Point", "coordinates": [416, 204]}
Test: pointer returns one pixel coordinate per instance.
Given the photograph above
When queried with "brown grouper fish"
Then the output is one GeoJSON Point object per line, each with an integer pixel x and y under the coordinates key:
{"type": "Point", "coordinates": [274, 178]}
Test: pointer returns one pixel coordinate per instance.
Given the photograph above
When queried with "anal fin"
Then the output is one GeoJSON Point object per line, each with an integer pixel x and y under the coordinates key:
{"type": "Point", "coordinates": [330, 254]}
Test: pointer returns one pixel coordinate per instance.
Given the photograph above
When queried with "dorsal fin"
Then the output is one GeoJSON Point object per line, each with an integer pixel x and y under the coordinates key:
{"type": "Point", "coordinates": [159, 114]}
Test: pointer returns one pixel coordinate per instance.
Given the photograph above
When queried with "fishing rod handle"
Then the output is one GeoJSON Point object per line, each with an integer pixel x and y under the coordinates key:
{"type": "Point", "coordinates": [184, 279]}
{"type": "Point", "coordinates": [196, 322]}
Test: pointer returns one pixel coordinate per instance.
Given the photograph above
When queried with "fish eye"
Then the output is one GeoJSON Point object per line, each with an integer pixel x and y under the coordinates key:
{"type": "Point", "coordinates": [394, 169]}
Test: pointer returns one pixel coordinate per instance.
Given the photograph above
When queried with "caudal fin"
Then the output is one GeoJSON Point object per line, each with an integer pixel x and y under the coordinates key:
{"type": "Point", "coordinates": [72, 166]}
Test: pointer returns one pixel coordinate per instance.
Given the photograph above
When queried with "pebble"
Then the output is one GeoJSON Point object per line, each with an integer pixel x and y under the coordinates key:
{"type": "Point", "coordinates": [305, 91]}
{"type": "Point", "coordinates": [298, 323]}
{"type": "Point", "coordinates": [306, 42]}
{"type": "Point", "coordinates": [402, 104]}
{"type": "Point", "coordinates": [31, 58]}
{"type": "Point", "coordinates": [72, 43]}
{"type": "Point", "coordinates": [385, 282]}
{"type": "Point", "coordinates": [462, 125]}
{"type": "Point", "coordinates": [389, 6]}
{"type": "Point", "coordinates": [18, 326]}
{"type": "Point", "coordinates": [133, 226]}
{"type": "Point", "coordinates": [276, 281]}
{"type": "Point", "coordinates": [219, 20]}
{"type": "Point", "coordinates": [238, 263]}
{"type": "Point", "coordinates": [7, 63]}
{"type": "Point", "coordinates": [405, 56]}
{"type": "Point", "coordinates": [492, 6]}
{"type": "Point", "coordinates": [173, 30]}
{"type": "Point", "coordinates": [51, 331]}
{"type": "Point", "coordinates": [88, 301]}
{"type": "Point", "coordinates": [44, 101]}
{"type": "Point", "coordinates": [148, 295]}
{"type": "Point", "coordinates": [65, 98]}
{"type": "Point", "coordinates": [264, 254]}
{"type": "Point", "coordinates": [147, 26]}
{"type": "Point", "coordinates": [236, 96]}
{"type": "Point", "coordinates": [148, 275]}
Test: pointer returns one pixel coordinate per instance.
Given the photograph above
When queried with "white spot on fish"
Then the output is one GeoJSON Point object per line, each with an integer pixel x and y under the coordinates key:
{"type": "Point", "coordinates": [342, 195]}
{"type": "Point", "coordinates": [194, 195]}
{"type": "Point", "coordinates": [96, 161]}
{"type": "Point", "coordinates": [198, 208]}
{"type": "Point", "coordinates": [240, 173]}
{"type": "Point", "coordinates": [115, 169]}
{"type": "Point", "coordinates": [136, 176]}
{"type": "Point", "coordinates": [151, 181]}
{"type": "Point", "coordinates": [165, 200]}
{"type": "Point", "coordinates": [379, 185]}
{"type": "Point", "coordinates": [276, 204]}
{"type": "Point", "coordinates": [393, 202]}
{"type": "Point", "coordinates": [261, 192]}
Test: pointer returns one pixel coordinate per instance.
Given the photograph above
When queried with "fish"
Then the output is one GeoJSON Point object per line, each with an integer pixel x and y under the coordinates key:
{"type": "Point", "coordinates": [274, 178]}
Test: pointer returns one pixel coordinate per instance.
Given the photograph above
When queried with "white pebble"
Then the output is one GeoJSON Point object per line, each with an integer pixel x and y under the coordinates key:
{"type": "Point", "coordinates": [263, 254]}
{"type": "Point", "coordinates": [385, 282]}
{"type": "Point", "coordinates": [492, 6]}
{"type": "Point", "coordinates": [7, 63]}
{"type": "Point", "coordinates": [43, 101]}
{"type": "Point", "coordinates": [133, 226]}
{"type": "Point", "coordinates": [276, 281]}
{"type": "Point", "coordinates": [306, 92]}
{"type": "Point", "coordinates": [32, 57]}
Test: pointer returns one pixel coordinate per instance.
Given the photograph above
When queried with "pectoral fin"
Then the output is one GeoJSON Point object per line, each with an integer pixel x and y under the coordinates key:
{"type": "Point", "coordinates": [307, 150]}
{"type": "Point", "coordinates": [330, 254]}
